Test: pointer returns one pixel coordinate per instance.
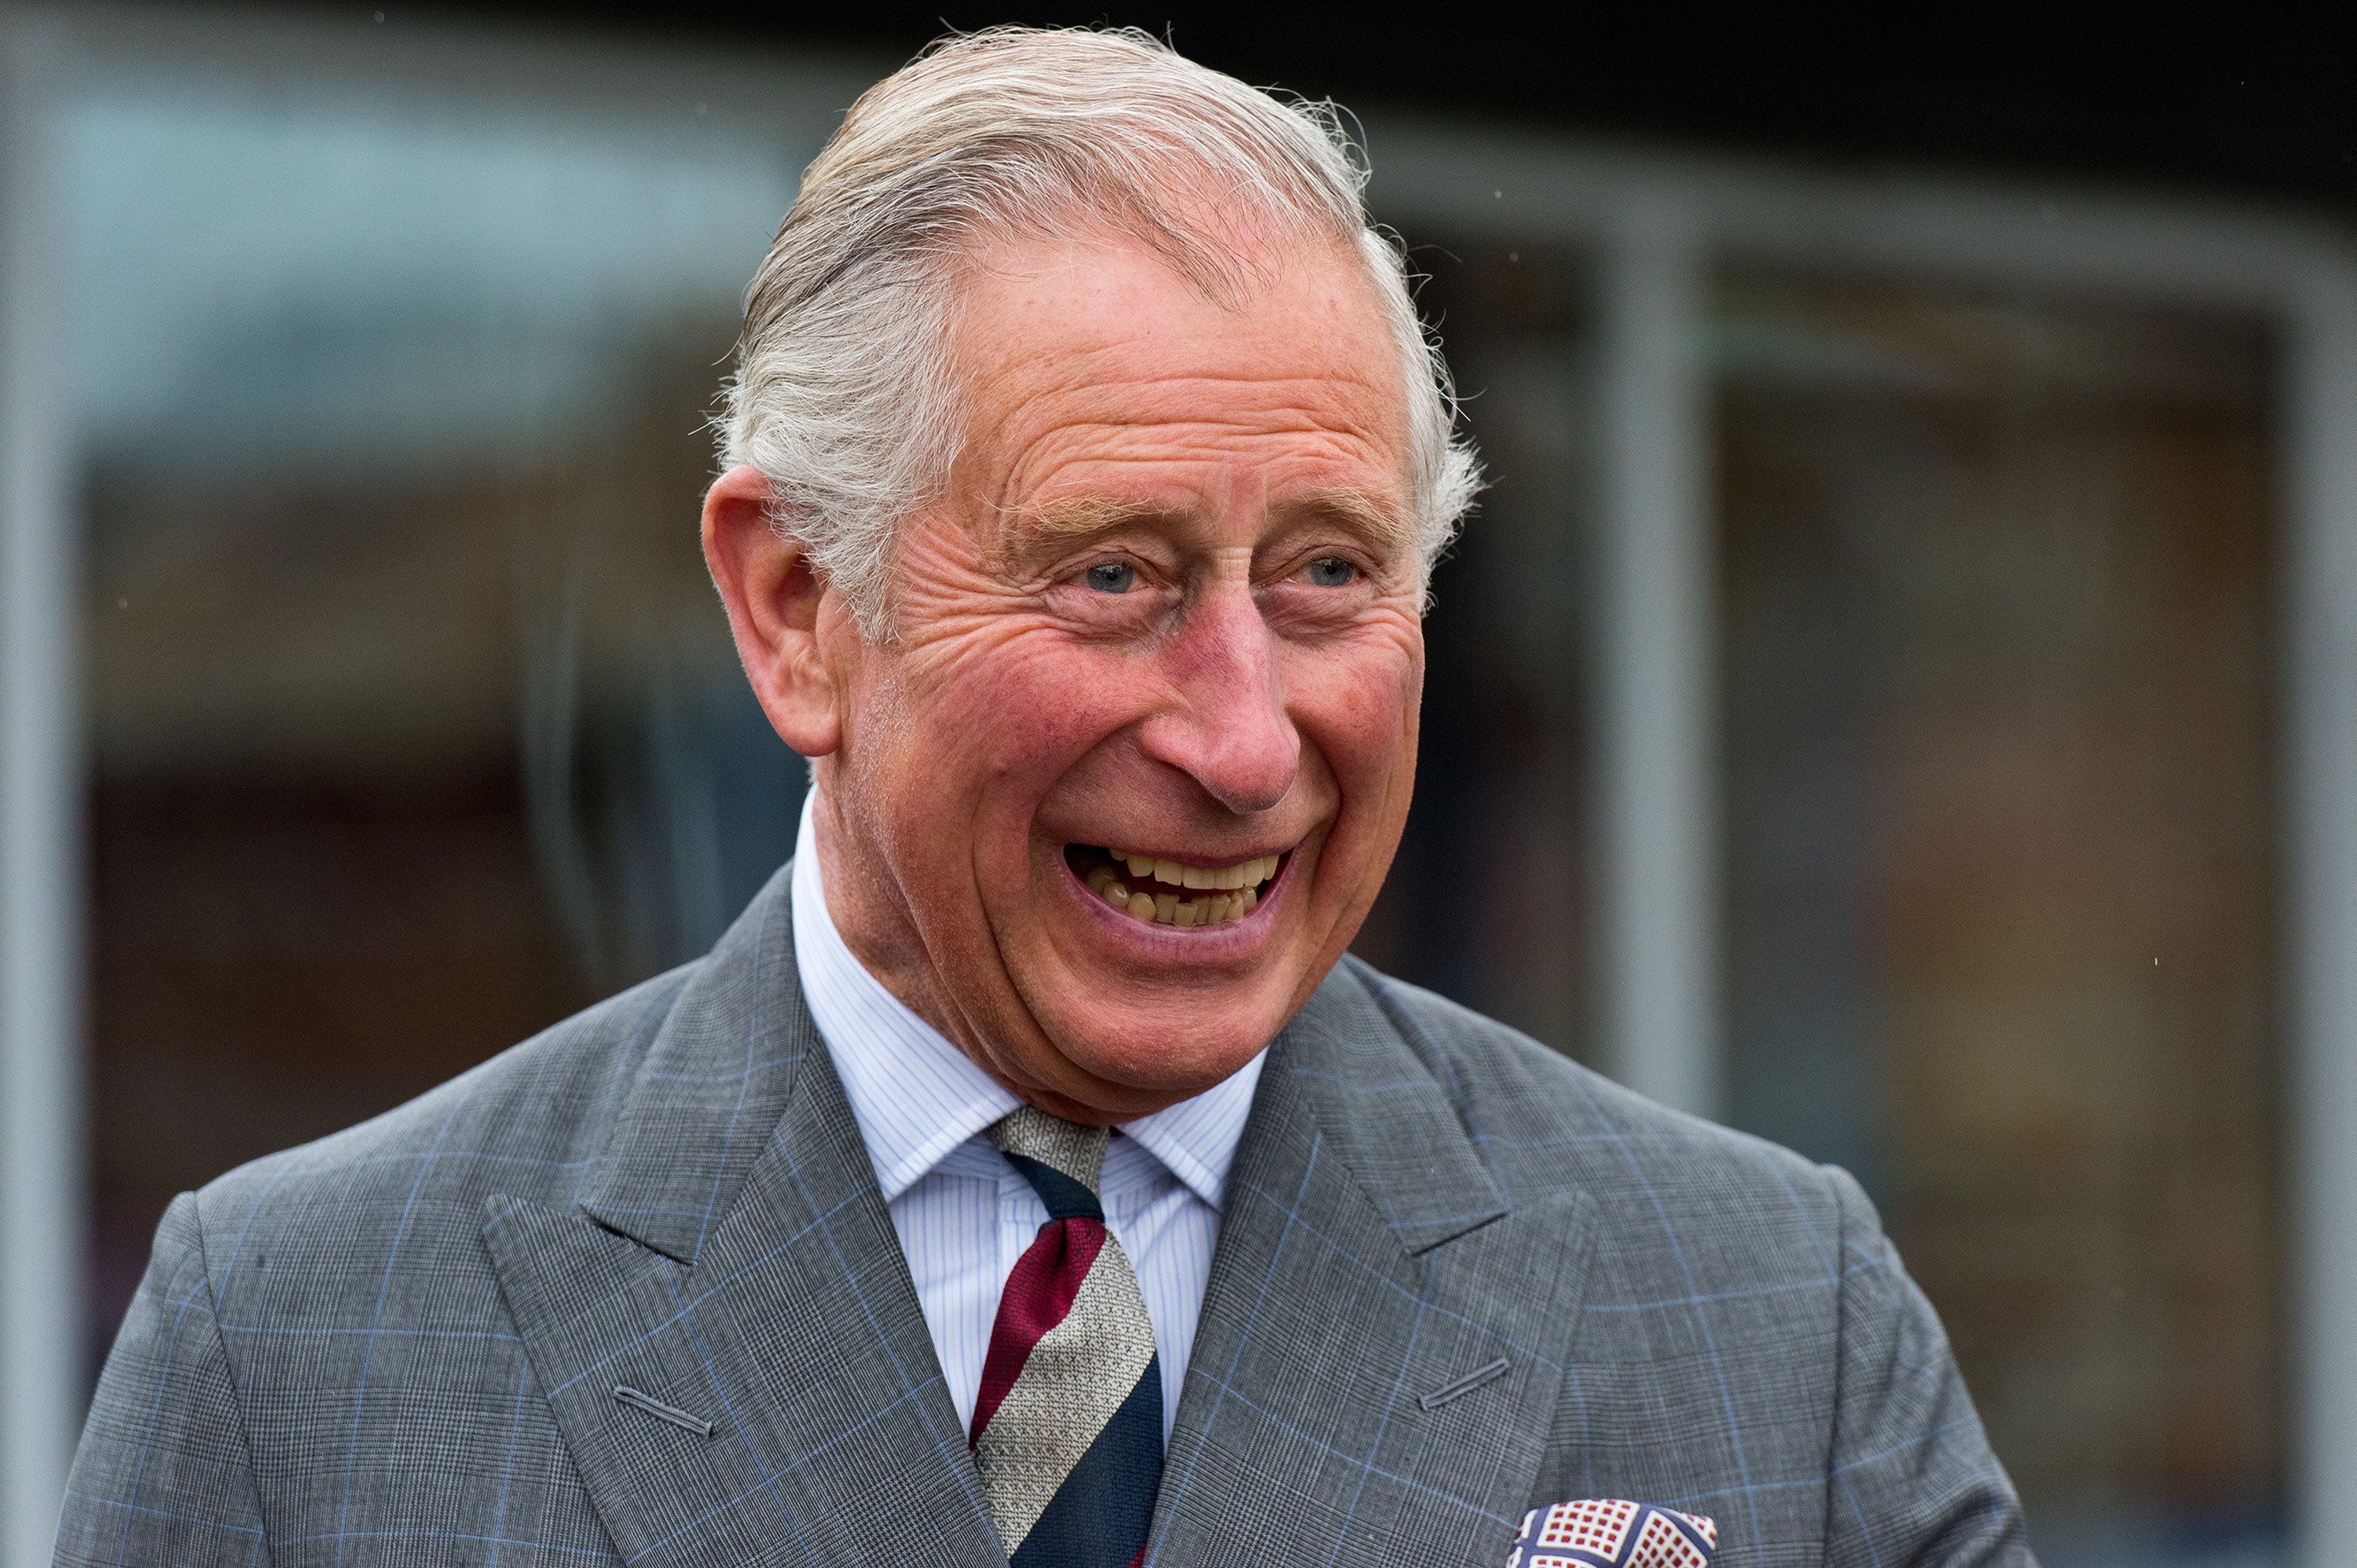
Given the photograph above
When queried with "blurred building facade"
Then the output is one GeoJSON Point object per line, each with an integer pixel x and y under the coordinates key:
{"type": "Point", "coordinates": [1894, 699]}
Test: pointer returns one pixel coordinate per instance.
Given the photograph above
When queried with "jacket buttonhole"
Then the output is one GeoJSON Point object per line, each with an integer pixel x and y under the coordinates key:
{"type": "Point", "coordinates": [638, 1399]}
{"type": "Point", "coordinates": [1465, 1385]}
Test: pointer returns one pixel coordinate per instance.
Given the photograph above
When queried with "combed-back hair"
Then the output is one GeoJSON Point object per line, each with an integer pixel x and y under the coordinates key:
{"type": "Point", "coordinates": [842, 396]}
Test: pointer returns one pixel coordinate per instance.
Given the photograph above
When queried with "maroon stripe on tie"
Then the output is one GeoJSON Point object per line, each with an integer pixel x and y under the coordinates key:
{"type": "Point", "coordinates": [1038, 1296]}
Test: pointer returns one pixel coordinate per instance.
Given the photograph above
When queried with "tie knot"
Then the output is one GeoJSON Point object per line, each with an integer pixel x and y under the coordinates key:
{"type": "Point", "coordinates": [1062, 1160]}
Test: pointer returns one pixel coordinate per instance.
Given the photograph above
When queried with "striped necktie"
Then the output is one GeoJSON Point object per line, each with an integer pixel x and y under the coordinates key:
{"type": "Point", "coordinates": [1068, 1425]}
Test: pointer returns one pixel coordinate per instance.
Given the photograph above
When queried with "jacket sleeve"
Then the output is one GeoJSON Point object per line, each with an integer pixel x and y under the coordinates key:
{"type": "Point", "coordinates": [1912, 1480]}
{"type": "Point", "coordinates": [164, 1475]}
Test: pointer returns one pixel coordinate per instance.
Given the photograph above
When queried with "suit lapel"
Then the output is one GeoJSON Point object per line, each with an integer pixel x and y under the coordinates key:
{"type": "Point", "coordinates": [1384, 1335]}
{"type": "Point", "coordinates": [748, 1291]}
{"type": "Point", "coordinates": [1381, 1347]}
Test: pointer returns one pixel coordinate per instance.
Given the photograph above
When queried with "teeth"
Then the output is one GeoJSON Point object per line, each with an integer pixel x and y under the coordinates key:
{"type": "Point", "coordinates": [1170, 909]}
{"type": "Point", "coordinates": [1232, 892]}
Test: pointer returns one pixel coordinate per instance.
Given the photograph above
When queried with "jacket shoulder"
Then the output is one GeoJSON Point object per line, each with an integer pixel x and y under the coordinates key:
{"type": "Point", "coordinates": [1546, 1123]}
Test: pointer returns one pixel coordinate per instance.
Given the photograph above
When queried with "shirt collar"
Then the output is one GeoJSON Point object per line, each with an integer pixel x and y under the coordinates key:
{"type": "Point", "coordinates": [917, 1097]}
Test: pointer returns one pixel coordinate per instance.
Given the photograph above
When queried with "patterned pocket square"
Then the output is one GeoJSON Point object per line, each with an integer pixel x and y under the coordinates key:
{"type": "Point", "coordinates": [1605, 1532]}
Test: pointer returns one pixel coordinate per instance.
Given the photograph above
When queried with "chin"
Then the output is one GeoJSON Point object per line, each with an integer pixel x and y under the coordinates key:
{"type": "Point", "coordinates": [1184, 1063]}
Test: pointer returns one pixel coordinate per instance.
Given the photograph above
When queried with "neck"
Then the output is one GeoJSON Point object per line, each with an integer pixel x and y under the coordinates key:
{"type": "Point", "coordinates": [866, 904]}
{"type": "Point", "coordinates": [864, 901]}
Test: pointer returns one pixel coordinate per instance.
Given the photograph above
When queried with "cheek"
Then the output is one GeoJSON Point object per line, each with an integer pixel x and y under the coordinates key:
{"type": "Point", "coordinates": [1361, 711]}
{"type": "Point", "coordinates": [1017, 708]}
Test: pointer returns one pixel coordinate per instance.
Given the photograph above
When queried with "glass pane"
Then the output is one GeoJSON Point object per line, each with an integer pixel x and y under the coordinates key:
{"type": "Point", "coordinates": [1488, 902]}
{"type": "Point", "coordinates": [1998, 837]}
{"type": "Point", "coordinates": [414, 724]}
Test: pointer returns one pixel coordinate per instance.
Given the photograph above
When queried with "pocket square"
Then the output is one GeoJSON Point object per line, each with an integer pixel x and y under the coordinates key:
{"type": "Point", "coordinates": [1606, 1533]}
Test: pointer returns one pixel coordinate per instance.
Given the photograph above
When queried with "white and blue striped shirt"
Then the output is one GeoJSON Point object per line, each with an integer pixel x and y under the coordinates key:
{"type": "Point", "coordinates": [963, 1216]}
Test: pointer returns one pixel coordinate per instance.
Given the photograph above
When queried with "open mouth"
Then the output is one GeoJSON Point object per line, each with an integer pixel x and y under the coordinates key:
{"type": "Point", "coordinates": [1169, 892]}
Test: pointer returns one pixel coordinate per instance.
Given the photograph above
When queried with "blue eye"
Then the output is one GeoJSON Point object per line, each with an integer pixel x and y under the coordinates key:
{"type": "Point", "coordinates": [1111, 576]}
{"type": "Point", "coordinates": [1331, 572]}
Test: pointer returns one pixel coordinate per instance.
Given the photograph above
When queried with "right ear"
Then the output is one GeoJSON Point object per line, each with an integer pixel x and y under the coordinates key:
{"type": "Point", "coordinates": [774, 598]}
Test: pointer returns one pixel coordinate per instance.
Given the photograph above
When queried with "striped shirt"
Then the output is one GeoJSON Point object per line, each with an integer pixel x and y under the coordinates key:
{"type": "Point", "coordinates": [962, 1213]}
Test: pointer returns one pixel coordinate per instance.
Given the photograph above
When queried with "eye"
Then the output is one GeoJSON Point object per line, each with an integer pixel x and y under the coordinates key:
{"type": "Point", "coordinates": [1330, 572]}
{"type": "Point", "coordinates": [1110, 577]}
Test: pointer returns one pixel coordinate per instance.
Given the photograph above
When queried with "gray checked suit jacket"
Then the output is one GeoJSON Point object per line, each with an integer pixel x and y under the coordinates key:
{"type": "Point", "coordinates": [1457, 1277]}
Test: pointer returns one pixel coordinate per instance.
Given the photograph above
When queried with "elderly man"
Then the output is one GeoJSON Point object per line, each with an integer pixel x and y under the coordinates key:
{"type": "Point", "coordinates": [1030, 1174]}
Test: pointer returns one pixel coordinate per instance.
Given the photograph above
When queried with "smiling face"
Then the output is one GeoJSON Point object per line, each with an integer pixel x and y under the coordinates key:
{"type": "Point", "coordinates": [1122, 787]}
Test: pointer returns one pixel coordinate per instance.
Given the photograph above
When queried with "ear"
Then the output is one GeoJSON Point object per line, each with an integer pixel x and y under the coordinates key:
{"type": "Point", "coordinates": [775, 602]}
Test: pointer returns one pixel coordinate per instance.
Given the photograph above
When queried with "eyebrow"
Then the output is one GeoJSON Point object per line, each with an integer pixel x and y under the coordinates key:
{"type": "Point", "coordinates": [1077, 517]}
{"type": "Point", "coordinates": [1360, 512]}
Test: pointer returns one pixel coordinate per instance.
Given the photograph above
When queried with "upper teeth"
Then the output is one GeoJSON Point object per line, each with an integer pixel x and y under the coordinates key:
{"type": "Point", "coordinates": [1232, 892]}
{"type": "Point", "coordinates": [1242, 874]}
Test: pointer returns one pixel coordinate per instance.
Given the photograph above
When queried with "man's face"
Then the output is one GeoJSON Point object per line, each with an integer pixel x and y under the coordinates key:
{"type": "Point", "coordinates": [1168, 607]}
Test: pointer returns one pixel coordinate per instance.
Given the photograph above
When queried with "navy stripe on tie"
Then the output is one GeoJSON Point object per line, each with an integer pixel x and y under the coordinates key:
{"type": "Point", "coordinates": [1065, 1199]}
{"type": "Point", "coordinates": [1101, 1514]}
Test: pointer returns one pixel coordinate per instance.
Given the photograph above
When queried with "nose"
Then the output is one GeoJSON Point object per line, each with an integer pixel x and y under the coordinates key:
{"type": "Point", "coordinates": [1228, 729]}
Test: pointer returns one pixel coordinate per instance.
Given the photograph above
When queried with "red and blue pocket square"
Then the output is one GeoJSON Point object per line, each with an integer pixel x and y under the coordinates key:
{"type": "Point", "coordinates": [1606, 1533]}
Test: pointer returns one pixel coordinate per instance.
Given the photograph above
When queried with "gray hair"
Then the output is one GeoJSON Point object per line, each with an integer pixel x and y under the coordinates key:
{"type": "Point", "coordinates": [842, 396]}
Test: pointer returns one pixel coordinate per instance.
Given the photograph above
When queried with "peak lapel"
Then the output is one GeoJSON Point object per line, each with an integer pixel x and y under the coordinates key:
{"type": "Point", "coordinates": [714, 1085]}
{"type": "Point", "coordinates": [1384, 1334]}
{"type": "Point", "coordinates": [734, 1269]}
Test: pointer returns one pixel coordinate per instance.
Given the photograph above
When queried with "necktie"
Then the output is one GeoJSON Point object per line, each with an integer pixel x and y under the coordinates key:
{"type": "Point", "coordinates": [1068, 1425]}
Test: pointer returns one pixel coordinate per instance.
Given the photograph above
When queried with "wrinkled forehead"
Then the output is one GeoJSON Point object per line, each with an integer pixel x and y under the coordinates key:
{"type": "Point", "coordinates": [1096, 349]}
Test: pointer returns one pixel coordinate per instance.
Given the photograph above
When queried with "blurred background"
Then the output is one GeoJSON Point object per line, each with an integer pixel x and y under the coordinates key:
{"type": "Point", "coordinates": [1897, 696]}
